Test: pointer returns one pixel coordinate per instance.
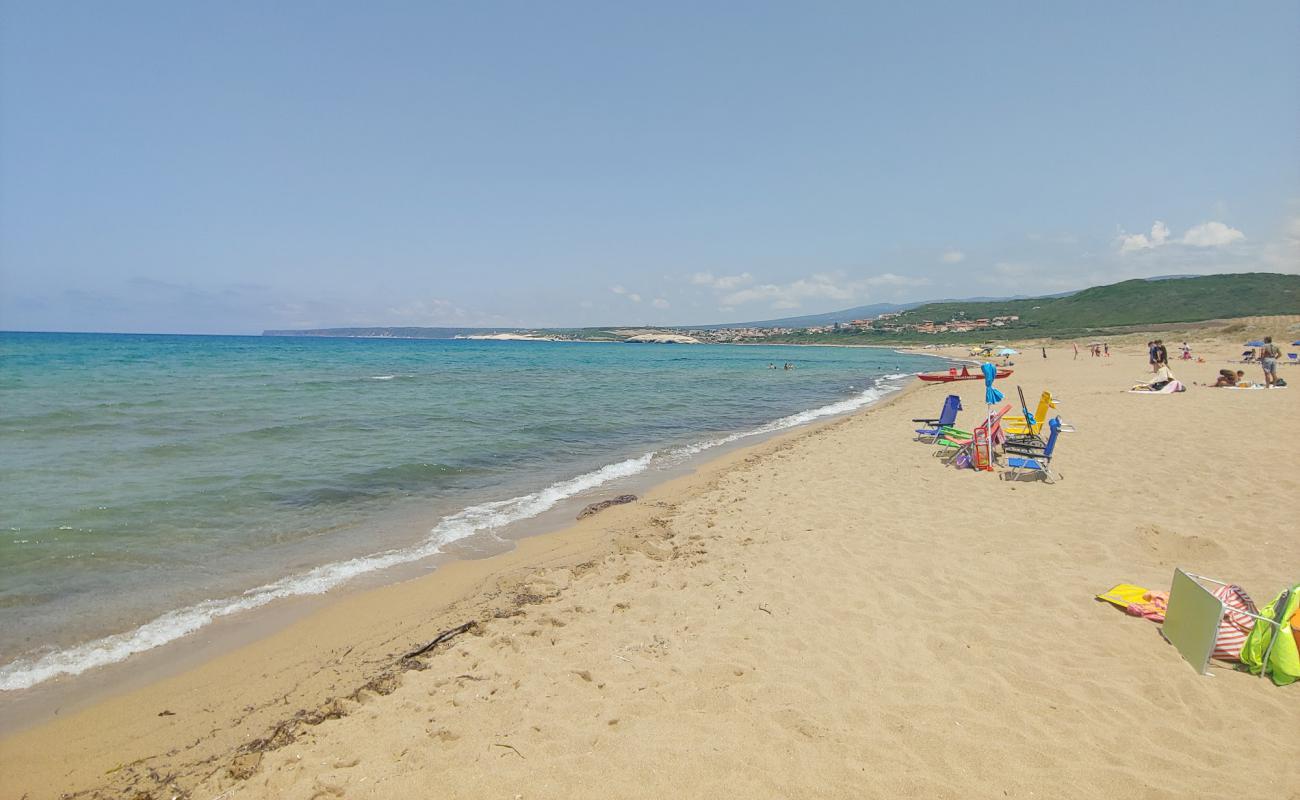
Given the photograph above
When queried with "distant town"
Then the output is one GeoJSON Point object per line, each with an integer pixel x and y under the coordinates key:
{"type": "Point", "coordinates": [888, 323]}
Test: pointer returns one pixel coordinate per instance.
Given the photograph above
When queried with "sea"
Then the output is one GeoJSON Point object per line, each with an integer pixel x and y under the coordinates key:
{"type": "Point", "coordinates": [151, 485]}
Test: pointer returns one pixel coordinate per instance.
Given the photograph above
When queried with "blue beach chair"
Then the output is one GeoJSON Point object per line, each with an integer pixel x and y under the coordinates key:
{"type": "Point", "coordinates": [1035, 460]}
{"type": "Point", "coordinates": [946, 419]}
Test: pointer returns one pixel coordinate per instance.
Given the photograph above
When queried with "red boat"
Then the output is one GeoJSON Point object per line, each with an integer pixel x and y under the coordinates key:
{"type": "Point", "coordinates": [964, 374]}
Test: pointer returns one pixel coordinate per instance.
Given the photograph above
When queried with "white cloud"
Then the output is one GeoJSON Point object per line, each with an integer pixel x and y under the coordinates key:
{"type": "Point", "coordinates": [952, 256]}
{"type": "Point", "coordinates": [1207, 234]}
{"type": "Point", "coordinates": [1132, 243]}
{"type": "Point", "coordinates": [659, 302]}
{"type": "Point", "coordinates": [721, 282]}
{"type": "Point", "coordinates": [633, 296]}
{"type": "Point", "coordinates": [1211, 234]}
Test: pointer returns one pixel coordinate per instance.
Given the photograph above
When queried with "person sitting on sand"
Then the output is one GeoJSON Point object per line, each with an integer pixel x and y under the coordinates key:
{"type": "Point", "coordinates": [1163, 376]}
{"type": "Point", "coordinates": [1229, 378]}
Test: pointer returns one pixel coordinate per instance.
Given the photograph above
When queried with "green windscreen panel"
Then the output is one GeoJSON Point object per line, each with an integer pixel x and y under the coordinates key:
{"type": "Point", "coordinates": [1192, 620]}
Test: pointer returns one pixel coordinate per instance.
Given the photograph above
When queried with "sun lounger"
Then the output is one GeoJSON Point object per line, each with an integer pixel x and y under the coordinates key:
{"type": "Point", "coordinates": [962, 441]}
{"type": "Point", "coordinates": [947, 417]}
{"type": "Point", "coordinates": [1025, 457]}
{"type": "Point", "coordinates": [1028, 424]}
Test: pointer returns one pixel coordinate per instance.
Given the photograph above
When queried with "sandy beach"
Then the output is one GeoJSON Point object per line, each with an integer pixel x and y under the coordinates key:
{"type": "Point", "coordinates": [831, 613]}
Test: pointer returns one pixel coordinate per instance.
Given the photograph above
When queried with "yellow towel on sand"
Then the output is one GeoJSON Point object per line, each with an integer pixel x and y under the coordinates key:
{"type": "Point", "coordinates": [1124, 595]}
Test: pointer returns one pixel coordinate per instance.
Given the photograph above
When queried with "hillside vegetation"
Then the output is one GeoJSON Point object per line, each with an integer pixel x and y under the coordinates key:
{"type": "Point", "coordinates": [1102, 308]}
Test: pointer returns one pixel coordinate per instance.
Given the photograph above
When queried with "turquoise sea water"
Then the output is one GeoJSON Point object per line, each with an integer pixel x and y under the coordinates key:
{"type": "Point", "coordinates": [151, 484]}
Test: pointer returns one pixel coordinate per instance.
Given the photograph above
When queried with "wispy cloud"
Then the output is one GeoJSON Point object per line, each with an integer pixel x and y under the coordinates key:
{"type": "Point", "coordinates": [792, 295]}
{"type": "Point", "coordinates": [721, 282]}
{"type": "Point", "coordinates": [952, 256]}
{"type": "Point", "coordinates": [819, 286]}
{"type": "Point", "coordinates": [1211, 234]}
{"type": "Point", "coordinates": [620, 290]}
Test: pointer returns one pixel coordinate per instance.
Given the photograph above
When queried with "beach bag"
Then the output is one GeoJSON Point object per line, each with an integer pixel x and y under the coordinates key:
{"type": "Point", "coordinates": [1235, 626]}
{"type": "Point", "coordinates": [1284, 660]}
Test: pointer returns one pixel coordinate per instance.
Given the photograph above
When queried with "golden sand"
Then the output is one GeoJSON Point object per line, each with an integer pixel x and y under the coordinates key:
{"type": "Point", "coordinates": [828, 614]}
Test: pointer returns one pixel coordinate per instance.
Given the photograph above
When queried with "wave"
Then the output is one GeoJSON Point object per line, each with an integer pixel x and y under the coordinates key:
{"type": "Point", "coordinates": [880, 389]}
{"type": "Point", "coordinates": [25, 673]}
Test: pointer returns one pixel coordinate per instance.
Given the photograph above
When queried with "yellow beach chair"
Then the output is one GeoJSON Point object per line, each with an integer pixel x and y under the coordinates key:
{"type": "Point", "coordinates": [1014, 425]}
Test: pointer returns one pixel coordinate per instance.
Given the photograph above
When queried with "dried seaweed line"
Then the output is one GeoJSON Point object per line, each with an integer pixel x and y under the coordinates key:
{"type": "Point", "coordinates": [439, 639]}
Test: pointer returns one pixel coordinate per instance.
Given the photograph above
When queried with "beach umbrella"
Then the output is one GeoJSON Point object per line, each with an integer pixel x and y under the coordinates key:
{"type": "Point", "coordinates": [1007, 351]}
{"type": "Point", "coordinates": [991, 396]}
{"type": "Point", "coordinates": [1254, 343]}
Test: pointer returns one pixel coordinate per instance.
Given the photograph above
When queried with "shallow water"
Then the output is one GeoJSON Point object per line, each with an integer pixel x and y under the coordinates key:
{"type": "Point", "coordinates": [154, 483]}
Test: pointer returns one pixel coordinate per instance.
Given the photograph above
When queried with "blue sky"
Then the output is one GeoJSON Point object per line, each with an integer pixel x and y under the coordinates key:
{"type": "Point", "coordinates": [228, 167]}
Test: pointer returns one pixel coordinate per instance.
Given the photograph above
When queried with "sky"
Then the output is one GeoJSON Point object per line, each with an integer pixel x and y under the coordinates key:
{"type": "Point", "coordinates": [236, 166]}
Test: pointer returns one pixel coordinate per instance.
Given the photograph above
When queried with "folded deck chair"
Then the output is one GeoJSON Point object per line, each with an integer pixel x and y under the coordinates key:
{"type": "Point", "coordinates": [1023, 456]}
{"type": "Point", "coordinates": [1194, 618]}
{"type": "Point", "coordinates": [947, 417]}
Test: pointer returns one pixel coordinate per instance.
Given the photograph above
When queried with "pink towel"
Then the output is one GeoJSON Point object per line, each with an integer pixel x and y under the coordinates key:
{"type": "Point", "coordinates": [1153, 608]}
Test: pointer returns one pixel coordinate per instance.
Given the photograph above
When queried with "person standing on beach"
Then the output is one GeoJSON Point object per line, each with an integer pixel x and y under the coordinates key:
{"type": "Point", "coordinates": [1162, 355]}
{"type": "Point", "coordinates": [1044, 352]}
{"type": "Point", "coordinates": [1076, 351]}
{"type": "Point", "coordinates": [1151, 355]}
{"type": "Point", "coordinates": [1107, 346]}
{"type": "Point", "coordinates": [1268, 356]}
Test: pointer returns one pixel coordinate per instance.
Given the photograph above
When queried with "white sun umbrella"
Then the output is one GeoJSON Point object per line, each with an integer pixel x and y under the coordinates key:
{"type": "Point", "coordinates": [1007, 351]}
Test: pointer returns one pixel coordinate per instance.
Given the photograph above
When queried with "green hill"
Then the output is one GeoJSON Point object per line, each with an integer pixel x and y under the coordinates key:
{"type": "Point", "coordinates": [1120, 305]}
{"type": "Point", "coordinates": [1138, 302]}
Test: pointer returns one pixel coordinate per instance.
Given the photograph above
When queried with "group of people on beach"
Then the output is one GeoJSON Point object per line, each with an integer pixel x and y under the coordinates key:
{"type": "Point", "coordinates": [1267, 357]}
{"type": "Point", "coordinates": [1095, 349]}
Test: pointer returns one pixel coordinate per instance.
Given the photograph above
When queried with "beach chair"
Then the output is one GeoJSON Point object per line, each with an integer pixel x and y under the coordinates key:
{"type": "Point", "coordinates": [947, 417]}
{"type": "Point", "coordinates": [962, 441]}
{"type": "Point", "coordinates": [1018, 426]}
{"type": "Point", "coordinates": [1194, 619]}
{"type": "Point", "coordinates": [1026, 457]}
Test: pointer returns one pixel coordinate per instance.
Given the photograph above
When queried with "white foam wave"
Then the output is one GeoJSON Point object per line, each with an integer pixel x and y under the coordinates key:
{"type": "Point", "coordinates": [803, 417]}
{"type": "Point", "coordinates": [382, 377]}
{"type": "Point", "coordinates": [25, 673]}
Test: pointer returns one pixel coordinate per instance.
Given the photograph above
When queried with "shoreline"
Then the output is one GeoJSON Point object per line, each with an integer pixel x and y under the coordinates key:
{"type": "Point", "coordinates": [757, 610]}
{"type": "Point", "coordinates": [87, 646]}
{"type": "Point", "coordinates": [34, 706]}
{"type": "Point", "coordinates": [342, 643]}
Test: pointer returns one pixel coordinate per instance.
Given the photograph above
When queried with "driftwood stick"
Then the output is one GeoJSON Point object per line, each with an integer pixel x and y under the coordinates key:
{"type": "Point", "coordinates": [439, 639]}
